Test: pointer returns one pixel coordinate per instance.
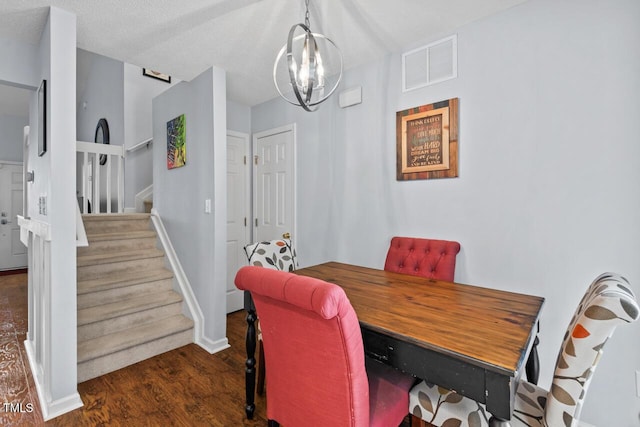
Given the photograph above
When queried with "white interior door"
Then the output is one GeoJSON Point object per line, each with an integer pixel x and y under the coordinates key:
{"type": "Point", "coordinates": [13, 254]}
{"type": "Point", "coordinates": [237, 213]}
{"type": "Point", "coordinates": [274, 183]}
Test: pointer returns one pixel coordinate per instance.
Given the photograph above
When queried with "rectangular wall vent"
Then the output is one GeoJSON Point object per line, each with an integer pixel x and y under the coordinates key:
{"type": "Point", "coordinates": [430, 64]}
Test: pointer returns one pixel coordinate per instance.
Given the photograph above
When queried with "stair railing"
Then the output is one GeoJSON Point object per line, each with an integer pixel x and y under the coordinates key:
{"type": "Point", "coordinates": [97, 160]}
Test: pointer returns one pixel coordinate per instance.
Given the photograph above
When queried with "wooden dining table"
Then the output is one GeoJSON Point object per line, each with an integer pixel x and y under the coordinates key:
{"type": "Point", "coordinates": [471, 339]}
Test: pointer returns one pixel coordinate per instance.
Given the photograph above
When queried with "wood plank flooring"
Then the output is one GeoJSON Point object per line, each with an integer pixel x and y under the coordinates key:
{"type": "Point", "coordinates": [184, 387]}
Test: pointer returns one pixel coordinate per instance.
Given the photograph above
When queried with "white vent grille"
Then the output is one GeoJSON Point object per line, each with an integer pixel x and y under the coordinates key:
{"type": "Point", "coordinates": [433, 63]}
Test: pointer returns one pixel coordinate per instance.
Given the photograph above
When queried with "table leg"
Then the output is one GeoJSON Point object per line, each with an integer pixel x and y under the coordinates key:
{"type": "Point", "coordinates": [250, 370]}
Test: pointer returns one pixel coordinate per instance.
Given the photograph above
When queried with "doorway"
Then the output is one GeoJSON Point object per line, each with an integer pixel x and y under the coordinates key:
{"type": "Point", "coordinates": [238, 212]}
{"type": "Point", "coordinates": [13, 254]}
{"type": "Point", "coordinates": [274, 184]}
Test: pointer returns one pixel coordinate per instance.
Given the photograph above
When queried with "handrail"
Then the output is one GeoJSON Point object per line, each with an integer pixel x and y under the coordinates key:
{"type": "Point", "coordinates": [139, 145]}
{"type": "Point", "coordinates": [92, 147]}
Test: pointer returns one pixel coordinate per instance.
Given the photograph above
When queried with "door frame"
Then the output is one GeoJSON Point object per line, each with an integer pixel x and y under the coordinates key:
{"type": "Point", "coordinates": [268, 132]}
{"type": "Point", "coordinates": [248, 180]}
{"type": "Point", "coordinates": [248, 194]}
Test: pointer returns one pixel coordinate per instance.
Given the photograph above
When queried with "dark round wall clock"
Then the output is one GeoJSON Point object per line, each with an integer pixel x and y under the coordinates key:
{"type": "Point", "coordinates": [102, 137]}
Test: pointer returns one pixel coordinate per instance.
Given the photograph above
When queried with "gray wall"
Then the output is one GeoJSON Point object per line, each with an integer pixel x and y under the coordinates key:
{"type": "Point", "coordinates": [100, 95]}
{"type": "Point", "coordinates": [238, 117]}
{"type": "Point", "coordinates": [138, 93]}
{"type": "Point", "coordinates": [199, 238]}
{"type": "Point", "coordinates": [547, 196]}
{"type": "Point", "coordinates": [22, 69]}
{"type": "Point", "coordinates": [100, 88]}
{"type": "Point", "coordinates": [11, 134]}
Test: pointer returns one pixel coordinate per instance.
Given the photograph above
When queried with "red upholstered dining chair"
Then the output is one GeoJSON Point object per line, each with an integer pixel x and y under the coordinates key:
{"type": "Point", "coordinates": [607, 303]}
{"type": "Point", "coordinates": [434, 259]}
{"type": "Point", "coordinates": [315, 358]}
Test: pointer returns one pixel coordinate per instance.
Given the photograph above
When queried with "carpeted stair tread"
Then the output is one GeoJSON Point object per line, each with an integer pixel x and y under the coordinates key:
{"type": "Point", "coordinates": [101, 258]}
{"type": "Point", "coordinates": [114, 281]}
{"type": "Point", "coordinates": [141, 234]}
{"type": "Point", "coordinates": [138, 335]}
{"type": "Point", "coordinates": [132, 305]}
{"type": "Point", "coordinates": [115, 217]}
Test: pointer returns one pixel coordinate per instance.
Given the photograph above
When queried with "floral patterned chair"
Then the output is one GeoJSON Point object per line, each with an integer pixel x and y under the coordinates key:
{"type": "Point", "coordinates": [608, 302]}
{"type": "Point", "coordinates": [278, 255]}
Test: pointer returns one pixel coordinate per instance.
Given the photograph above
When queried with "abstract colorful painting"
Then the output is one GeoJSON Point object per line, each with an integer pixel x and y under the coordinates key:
{"type": "Point", "coordinates": [176, 142]}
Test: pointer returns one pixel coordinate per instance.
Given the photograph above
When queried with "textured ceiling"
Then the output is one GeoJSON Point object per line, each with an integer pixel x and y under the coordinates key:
{"type": "Point", "coordinates": [184, 38]}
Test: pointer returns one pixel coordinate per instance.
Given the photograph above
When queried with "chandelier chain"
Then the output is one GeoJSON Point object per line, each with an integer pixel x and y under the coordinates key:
{"type": "Point", "coordinates": [306, 14]}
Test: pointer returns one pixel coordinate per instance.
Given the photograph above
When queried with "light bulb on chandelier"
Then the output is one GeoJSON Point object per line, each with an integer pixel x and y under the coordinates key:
{"type": "Point", "coordinates": [315, 74]}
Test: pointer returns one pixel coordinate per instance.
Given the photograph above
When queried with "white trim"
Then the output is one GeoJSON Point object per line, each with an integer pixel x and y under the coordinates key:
{"type": "Point", "coordinates": [142, 196]}
{"type": "Point", "coordinates": [213, 346]}
{"type": "Point", "coordinates": [50, 409]}
{"type": "Point", "coordinates": [38, 228]}
{"type": "Point", "coordinates": [185, 289]}
{"type": "Point", "coordinates": [139, 145]}
{"type": "Point", "coordinates": [92, 147]}
{"type": "Point", "coordinates": [81, 234]}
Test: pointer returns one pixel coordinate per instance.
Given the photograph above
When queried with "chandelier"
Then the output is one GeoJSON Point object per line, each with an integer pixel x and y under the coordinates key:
{"type": "Point", "coordinates": [309, 65]}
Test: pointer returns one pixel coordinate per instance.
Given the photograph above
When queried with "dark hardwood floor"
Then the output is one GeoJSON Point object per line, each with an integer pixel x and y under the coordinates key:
{"type": "Point", "coordinates": [183, 387]}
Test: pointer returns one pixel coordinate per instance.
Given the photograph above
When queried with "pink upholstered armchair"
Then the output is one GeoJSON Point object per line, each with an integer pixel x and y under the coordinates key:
{"type": "Point", "coordinates": [314, 352]}
{"type": "Point", "coordinates": [607, 303]}
{"type": "Point", "coordinates": [435, 259]}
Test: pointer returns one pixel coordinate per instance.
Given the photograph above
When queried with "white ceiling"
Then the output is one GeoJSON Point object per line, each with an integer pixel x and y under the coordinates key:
{"type": "Point", "coordinates": [184, 38]}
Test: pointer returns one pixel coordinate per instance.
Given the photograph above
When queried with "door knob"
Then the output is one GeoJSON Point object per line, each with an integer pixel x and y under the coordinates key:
{"type": "Point", "coordinates": [286, 236]}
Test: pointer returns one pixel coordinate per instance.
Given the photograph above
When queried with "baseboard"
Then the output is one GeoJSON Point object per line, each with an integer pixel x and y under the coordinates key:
{"type": "Point", "coordinates": [213, 346]}
{"type": "Point", "coordinates": [50, 409]}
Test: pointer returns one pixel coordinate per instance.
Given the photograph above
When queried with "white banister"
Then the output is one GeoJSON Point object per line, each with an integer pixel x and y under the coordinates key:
{"type": "Point", "coordinates": [92, 172]}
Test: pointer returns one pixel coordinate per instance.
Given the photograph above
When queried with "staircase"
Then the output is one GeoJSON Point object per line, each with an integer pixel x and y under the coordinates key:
{"type": "Point", "coordinates": [127, 308]}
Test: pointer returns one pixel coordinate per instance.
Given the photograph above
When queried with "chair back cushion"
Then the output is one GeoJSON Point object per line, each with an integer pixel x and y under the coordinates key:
{"type": "Point", "coordinates": [313, 349]}
{"type": "Point", "coordinates": [276, 254]}
{"type": "Point", "coordinates": [434, 259]}
{"type": "Point", "coordinates": [608, 302]}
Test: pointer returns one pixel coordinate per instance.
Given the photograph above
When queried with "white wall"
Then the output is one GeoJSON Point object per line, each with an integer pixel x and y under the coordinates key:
{"type": "Point", "coordinates": [547, 196]}
{"type": "Point", "coordinates": [55, 352]}
{"type": "Point", "coordinates": [179, 196]}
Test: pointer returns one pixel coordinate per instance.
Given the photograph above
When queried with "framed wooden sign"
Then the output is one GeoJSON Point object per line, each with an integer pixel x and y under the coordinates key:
{"type": "Point", "coordinates": [427, 141]}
